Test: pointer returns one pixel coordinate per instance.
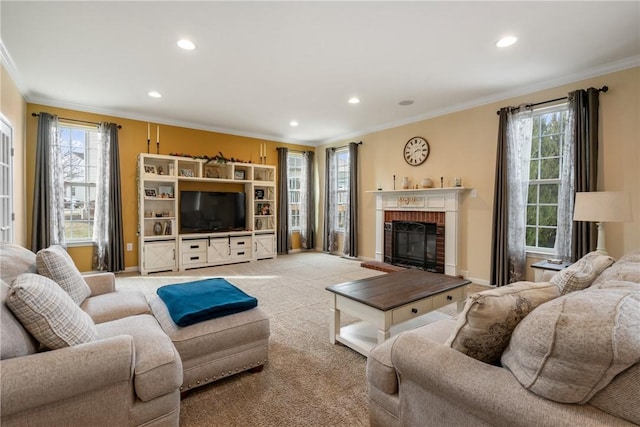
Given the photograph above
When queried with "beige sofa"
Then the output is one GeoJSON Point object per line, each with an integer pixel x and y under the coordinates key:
{"type": "Point", "coordinates": [426, 377]}
{"type": "Point", "coordinates": [129, 374]}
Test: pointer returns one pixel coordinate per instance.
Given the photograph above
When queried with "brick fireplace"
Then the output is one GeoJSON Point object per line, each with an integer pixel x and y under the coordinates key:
{"type": "Point", "coordinates": [439, 206]}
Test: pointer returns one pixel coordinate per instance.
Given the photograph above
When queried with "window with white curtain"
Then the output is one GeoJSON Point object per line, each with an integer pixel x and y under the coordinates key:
{"type": "Point", "coordinates": [294, 174]}
{"type": "Point", "coordinates": [545, 177]}
{"type": "Point", "coordinates": [6, 183]}
{"type": "Point", "coordinates": [79, 155]}
{"type": "Point", "coordinates": [342, 187]}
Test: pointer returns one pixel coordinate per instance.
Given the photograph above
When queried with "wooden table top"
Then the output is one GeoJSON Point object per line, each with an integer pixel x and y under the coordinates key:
{"type": "Point", "coordinates": [392, 290]}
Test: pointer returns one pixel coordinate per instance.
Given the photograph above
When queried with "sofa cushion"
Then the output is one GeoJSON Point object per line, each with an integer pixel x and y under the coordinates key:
{"type": "Point", "coordinates": [158, 368]}
{"type": "Point", "coordinates": [620, 397]}
{"type": "Point", "coordinates": [115, 305]}
{"type": "Point", "coordinates": [55, 263]}
{"type": "Point", "coordinates": [46, 311]}
{"type": "Point", "coordinates": [570, 348]}
{"type": "Point", "coordinates": [625, 269]}
{"type": "Point", "coordinates": [582, 273]}
{"type": "Point", "coordinates": [15, 260]}
{"type": "Point", "coordinates": [489, 317]}
{"type": "Point", "coordinates": [15, 341]}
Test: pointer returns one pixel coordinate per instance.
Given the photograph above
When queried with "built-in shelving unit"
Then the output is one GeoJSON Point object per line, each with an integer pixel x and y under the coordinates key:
{"type": "Point", "coordinates": [163, 248]}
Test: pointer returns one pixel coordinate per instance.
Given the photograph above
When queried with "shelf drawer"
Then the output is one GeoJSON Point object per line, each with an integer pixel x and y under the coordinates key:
{"type": "Point", "coordinates": [194, 247]}
{"type": "Point", "coordinates": [240, 253]}
{"type": "Point", "coordinates": [194, 258]}
{"type": "Point", "coordinates": [447, 298]}
{"type": "Point", "coordinates": [410, 311]}
{"type": "Point", "coordinates": [240, 243]}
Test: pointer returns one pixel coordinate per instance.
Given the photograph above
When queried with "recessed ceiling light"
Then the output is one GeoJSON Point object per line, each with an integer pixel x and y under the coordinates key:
{"type": "Point", "coordinates": [406, 102]}
{"type": "Point", "coordinates": [506, 41]}
{"type": "Point", "coordinates": [186, 44]}
{"type": "Point", "coordinates": [293, 123]}
{"type": "Point", "coordinates": [354, 100]}
{"type": "Point", "coordinates": [155, 94]}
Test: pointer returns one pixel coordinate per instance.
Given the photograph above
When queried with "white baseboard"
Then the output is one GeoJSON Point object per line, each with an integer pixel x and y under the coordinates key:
{"type": "Point", "coordinates": [479, 281]}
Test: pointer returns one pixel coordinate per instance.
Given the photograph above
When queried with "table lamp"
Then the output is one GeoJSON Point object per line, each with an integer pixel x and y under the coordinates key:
{"type": "Point", "coordinates": [601, 207]}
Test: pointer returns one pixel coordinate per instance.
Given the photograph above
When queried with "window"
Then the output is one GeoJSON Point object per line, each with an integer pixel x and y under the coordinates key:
{"type": "Point", "coordinates": [6, 183]}
{"type": "Point", "coordinates": [545, 177]}
{"type": "Point", "coordinates": [79, 154]}
{"type": "Point", "coordinates": [342, 187]}
{"type": "Point", "coordinates": [294, 172]}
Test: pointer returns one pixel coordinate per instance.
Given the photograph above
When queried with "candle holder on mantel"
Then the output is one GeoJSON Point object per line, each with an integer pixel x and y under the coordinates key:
{"type": "Point", "coordinates": [148, 143]}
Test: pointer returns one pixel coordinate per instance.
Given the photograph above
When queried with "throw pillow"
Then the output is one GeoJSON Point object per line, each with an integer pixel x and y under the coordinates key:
{"type": "Point", "coordinates": [582, 273]}
{"type": "Point", "coordinates": [56, 264]}
{"type": "Point", "coordinates": [485, 325]}
{"type": "Point", "coordinates": [570, 348]}
{"type": "Point", "coordinates": [48, 313]}
{"type": "Point", "coordinates": [625, 269]}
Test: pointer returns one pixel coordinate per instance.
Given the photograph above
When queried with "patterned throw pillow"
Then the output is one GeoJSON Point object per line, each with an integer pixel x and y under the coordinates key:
{"type": "Point", "coordinates": [489, 317]}
{"type": "Point", "coordinates": [570, 348]}
{"type": "Point", "coordinates": [582, 273]}
{"type": "Point", "coordinates": [48, 313]}
{"type": "Point", "coordinates": [56, 264]}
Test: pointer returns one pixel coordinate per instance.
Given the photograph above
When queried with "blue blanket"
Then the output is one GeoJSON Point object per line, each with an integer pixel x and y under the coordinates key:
{"type": "Point", "coordinates": [194, 302]}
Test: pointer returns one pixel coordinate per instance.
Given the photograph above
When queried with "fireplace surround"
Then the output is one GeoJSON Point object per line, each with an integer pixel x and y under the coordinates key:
{"type": "Point", "coordinates": [439, 206]}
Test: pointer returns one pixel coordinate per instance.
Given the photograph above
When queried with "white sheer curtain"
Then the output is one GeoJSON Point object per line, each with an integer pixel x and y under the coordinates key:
{"type": "Point", "coordinates": [56, 188]}
{"type": "Point", "coordinates": [519, 132]}
{"type": "Point", "coordinates": [304, 199]}
{"type": "Point", "coordinates": [564, 232]}
{"type": "Point", "coordinates": [101, 214]}
{"type": "Point", "coordinates": [330, 242]}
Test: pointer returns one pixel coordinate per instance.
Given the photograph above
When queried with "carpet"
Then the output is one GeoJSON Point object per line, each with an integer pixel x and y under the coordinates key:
{"type": "Point", "coordinates": [307, 381]}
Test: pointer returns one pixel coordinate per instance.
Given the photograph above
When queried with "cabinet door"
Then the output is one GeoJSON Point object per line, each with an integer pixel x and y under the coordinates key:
{"type": "Point", "coordinates": [218, 250]}
{"type": "Point", "coordinates": [160, 255]}
{"type": "Point", "coordinates": [265, 245]}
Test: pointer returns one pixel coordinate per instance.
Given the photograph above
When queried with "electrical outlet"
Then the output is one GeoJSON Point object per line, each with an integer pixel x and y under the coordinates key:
{"type": "Point", "coordinates": [474, 193]}
{"type": "Point", "coordinates": [129, 247]}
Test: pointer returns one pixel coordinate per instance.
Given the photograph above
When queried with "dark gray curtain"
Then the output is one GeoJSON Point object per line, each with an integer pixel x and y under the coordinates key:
{"type": "Point", "coordinates": [115, 248]}
{"type": "Point", "coordinates": [499, 244]}
{"type": "Point", "coordinates": [41, 214]}
{"type": "Point", "coordinates": [283, 241]}
{"type": "Point", "coordinates": [584, 105]}
{"type": "Point", "coordinates": [309, 235]}
{"type": "Point", "coordinates": [351, 234]}
{"type": "Point", "coordinates": [326, 223]}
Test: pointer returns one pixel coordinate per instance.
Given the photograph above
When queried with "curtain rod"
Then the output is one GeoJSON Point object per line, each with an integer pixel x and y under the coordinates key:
{"type": "Point", "coordinates": [604, 89]}
{"type": "Point", "coordinates": [76, 120]}
{"type": "Point", "coordinates": [345, 146]}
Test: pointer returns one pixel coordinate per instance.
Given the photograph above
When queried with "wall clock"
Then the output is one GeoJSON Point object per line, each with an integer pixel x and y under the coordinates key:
{"type": "Point", "coordinates": [416, 151]}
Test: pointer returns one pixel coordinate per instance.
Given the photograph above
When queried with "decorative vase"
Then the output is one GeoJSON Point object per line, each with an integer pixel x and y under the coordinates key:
{"type": "Point", "coordinates": [426, 183]}
{"type": "Point", "coordinates": [405, 183]}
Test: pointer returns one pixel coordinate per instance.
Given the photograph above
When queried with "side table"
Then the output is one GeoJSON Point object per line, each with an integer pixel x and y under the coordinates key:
{"type": "Point", "coordinates": [544, 265]}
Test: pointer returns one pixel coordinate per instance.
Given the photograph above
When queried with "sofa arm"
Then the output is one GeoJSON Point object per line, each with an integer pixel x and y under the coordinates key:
{"type": "Point", "coordinates": [53, 376]}
{"type": "Point", "coordinates": [488, 392]}
{"type": "Point", "coordinates": [100, 283]}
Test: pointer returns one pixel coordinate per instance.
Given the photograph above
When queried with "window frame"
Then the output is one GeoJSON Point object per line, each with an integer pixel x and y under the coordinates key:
{"type": "Point", "coordinates": [538, 182]}
{"type": "Point", "coordinates": [294, 174]}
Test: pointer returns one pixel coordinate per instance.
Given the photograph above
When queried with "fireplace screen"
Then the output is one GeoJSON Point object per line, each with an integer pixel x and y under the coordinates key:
{"type": "Point", "coordinates": [413, 244]}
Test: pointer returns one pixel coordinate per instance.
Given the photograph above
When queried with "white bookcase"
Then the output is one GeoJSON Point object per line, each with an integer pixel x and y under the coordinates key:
{"type": "Point", "coordinates": [163, 248]}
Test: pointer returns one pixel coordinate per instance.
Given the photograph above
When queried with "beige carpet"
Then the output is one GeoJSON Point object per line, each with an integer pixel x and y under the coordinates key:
{"type": "Point", "coordinates": [307, 381]}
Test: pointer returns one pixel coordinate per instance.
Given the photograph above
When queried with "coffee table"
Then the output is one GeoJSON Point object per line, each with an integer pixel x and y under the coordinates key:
{"type": "Point", "coordinates": [389, 304]}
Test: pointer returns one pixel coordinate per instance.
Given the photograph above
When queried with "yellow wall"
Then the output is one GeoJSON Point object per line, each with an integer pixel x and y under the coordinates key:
{"type": "Point", "coordinates": [133, 140]}
{"type": "Point", "coordinates": [13, 107]}
{"type": "Point", "coordinates": [463, 144]}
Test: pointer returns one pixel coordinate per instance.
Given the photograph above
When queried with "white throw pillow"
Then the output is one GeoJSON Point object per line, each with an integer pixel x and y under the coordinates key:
{"type": "Point", "coordinates": [569, 348]}
{"type": "Point", "coordinates": [48, 313]}
{"type": "Point", "coordinates": [581, 274]}
{"type": "Point", "coordinates": [55, 263]}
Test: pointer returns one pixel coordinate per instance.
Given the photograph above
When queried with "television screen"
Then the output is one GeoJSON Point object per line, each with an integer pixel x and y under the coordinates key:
{"type": "Point", "coordinates": [206, 212]}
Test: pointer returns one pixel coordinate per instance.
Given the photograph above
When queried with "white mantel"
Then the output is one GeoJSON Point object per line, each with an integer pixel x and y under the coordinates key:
{"type": "Point", "coordinates": [445, 200]}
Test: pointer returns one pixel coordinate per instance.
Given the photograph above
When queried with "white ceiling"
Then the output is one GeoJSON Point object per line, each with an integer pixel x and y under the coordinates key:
{"type": "Point", "coordinates": [259, 65]}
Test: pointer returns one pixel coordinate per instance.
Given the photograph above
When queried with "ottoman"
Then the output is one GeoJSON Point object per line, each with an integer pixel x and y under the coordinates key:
{"type": "Point", "coordinates": [217, 348]}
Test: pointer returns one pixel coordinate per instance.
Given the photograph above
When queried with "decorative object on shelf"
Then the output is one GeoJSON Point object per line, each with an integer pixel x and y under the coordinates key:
{"type": "Point", "coordinates": [239, 174]}
{"type": "Point", "coordinates": [158, 139]}
{"type": "Point", "coordinates": [212, 171]}
{"type": "Point", "coordinates": [160, 170]}
{"type": "Point", "coordinates": [416, 151]}
{"type": "Point", "coordinates": [442, 182]}
{"type": "Point", "coordinates": [150, 192]}
{"type": "Point", "coordinates": [186, 172]}
{"type": "Point", "coordinates": [426, 183]}
{"type": "Point", "coordinates": [258, 224]}
{"type": "Point", "coordinates": [157, 228]}
{"type": "Point", "coordinates": [266, 209]}
{"type": "Point", "coordinates": [405, 183]}
{"type": "Point", "coordinates": [394, 182]}
{"type": "Point", "coordinates": [171, 169]}
{"type": "Point", "coordinates": [259, 193]}
{"type": "Point", "coordinates": [457, 182]}
{"type": "Point", "coordinates": [166, 191]}
{"type": "Point", "coordinates": [148, 136]}
{"type": "Point", "coordinates": [148, 214]}
{"type": "Point", "coordinates": [263, 153]}
{"type": "Point", "coordinates": [166, 228]}
{"type": "Point", "coordinates": [150, 169]}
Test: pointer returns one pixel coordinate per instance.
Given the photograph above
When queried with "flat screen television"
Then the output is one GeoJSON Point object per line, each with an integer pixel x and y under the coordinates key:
{"type": "Point", "coordinates": [208, 211]}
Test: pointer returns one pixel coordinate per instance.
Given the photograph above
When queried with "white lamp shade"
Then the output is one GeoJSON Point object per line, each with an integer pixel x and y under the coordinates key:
{"type": "Point", "coordinates": [602, 206]}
